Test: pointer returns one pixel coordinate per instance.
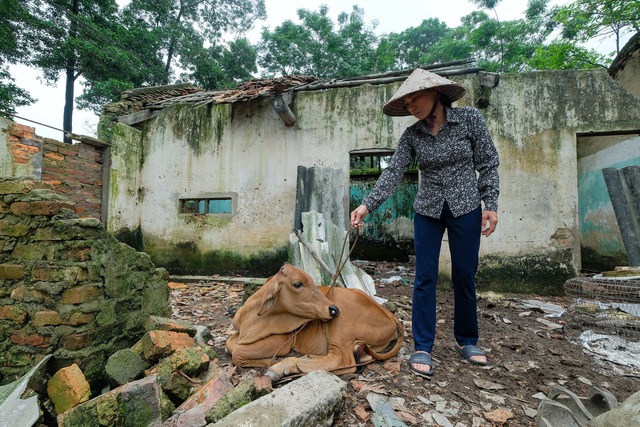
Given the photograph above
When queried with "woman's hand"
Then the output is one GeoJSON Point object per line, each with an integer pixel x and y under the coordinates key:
{"type": "Point", "coordinates": [489, 222]}
{"type": "Point", "coordinates": [357, 216]}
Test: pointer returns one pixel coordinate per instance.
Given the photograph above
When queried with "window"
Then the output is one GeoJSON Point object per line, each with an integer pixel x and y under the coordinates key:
{"type": "Point", "coordinates": [209, 205]}
{"type": "Point", "coordinates": [372, 162]}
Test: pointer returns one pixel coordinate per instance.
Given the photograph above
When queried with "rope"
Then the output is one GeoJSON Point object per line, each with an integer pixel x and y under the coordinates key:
{"type": "Point", "coordinates": [341, 263]}
{"type": "Point", "coordinates": [29, 120]}
{"type": "Point", "coordinates": [294, 376]}
{"type": "Point", "coordinates": [335, 278]}
{"type": "Point", "coordinates": [293, 335]}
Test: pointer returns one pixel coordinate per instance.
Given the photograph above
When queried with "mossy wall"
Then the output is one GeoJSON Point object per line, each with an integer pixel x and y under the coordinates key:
{"type": "Point", "coordinates": [67, 286]}
{"type": "Point", "coordinates": [388, 231]}
{"type": "Point", "coordinates": [246, 150]}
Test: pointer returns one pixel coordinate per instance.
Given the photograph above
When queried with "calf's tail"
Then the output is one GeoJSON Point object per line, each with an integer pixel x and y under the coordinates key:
{"type": "Point", "coordinates": [396, 347]}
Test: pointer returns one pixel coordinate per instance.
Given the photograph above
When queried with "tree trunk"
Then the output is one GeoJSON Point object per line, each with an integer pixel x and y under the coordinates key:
{"type": "Point", "coordinates": [172, 45]}
{"type": "Point", "coordinates": [67, 120]}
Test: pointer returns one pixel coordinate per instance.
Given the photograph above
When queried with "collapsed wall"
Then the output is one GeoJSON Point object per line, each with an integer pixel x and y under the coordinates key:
{"type": "Point", "coordinates": [73, 170]}
{"type": "Point", "coordinates": [67, 287]}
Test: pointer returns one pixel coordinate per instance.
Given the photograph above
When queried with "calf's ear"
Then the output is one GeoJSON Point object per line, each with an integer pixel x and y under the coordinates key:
{"type": "Point", "coordinates": [270, 297]}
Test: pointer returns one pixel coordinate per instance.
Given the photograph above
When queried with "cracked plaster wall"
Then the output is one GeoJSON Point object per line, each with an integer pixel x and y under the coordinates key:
{"type": "Point", "coordinates": [246, 149]}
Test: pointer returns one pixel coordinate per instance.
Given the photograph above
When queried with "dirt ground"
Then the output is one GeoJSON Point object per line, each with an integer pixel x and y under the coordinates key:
{"type": "Point", "coordinates": [527, 356]}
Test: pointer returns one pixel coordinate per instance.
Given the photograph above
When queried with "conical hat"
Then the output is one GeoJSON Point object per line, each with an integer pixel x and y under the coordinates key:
{"type": "Point", "coordinates": [419, 80]}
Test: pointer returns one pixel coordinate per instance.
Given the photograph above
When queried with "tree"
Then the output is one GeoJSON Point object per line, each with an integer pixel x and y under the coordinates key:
{"type": "Point", "coordinates": [357, 44]}
{"type": "Point", "coordinates": [12, 16]}
{"type": "Point", "coordinates": [316, 48]}
{"type": "Point", "coordinates": [588, 19]}
{"type": "Point", "coordinates": [184, 25]}
{"type": "Point", "coordinates": [60, 33]}
{"type": "Point", "coordinates": [284, 51]}
{"type": "Point", "coordinates": [505, 46]}
{"type": "Point", "coordinates": [129, 58]}
{"type": "Point", "coordinates": [496, 46]}
{"type": "Point", "coordinates": [412, 47]}
{"type": "Point", "coordinates": [564, 56]}
{"type": "Point", "coordinates": [69, 38]}
{"type": "Point", "coordinates": [221, 67]}
{"type": "Point", "coordinates": [496, 26]}
{"type": "Point", "coordinates": [115, 50]}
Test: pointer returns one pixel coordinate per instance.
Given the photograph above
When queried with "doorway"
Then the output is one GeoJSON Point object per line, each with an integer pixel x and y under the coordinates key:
{"type": "Point", "coordinates": [602, 247]}
{"type": "Point", "coordinates": [387, 234]}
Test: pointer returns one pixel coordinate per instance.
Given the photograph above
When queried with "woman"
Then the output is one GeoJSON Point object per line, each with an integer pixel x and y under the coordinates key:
{"type": "Point", "coordinates": [451, 145]}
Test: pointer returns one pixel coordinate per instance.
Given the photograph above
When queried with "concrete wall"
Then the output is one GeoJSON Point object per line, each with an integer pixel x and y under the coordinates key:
{"type": "Point", "coordinates": [535, 119]}
{"type": "Point", "coordinates": [625, 68]}
{"type": "Point", "coordinates": [246, 150]}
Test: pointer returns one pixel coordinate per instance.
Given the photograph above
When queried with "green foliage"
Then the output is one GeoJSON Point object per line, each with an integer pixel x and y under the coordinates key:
{"type": "Point", "coordinates": [318, 47]}
{"type": "Point", "coordinates": [64, 39]}
{"type": "Point", "coordinates": [128, 58]}
{"type": "Point", "coordinates": [12, 16]}
{"type": "Point", "coordinates": [584, 20]}
{"type": "Point", "coordinates": [98, 93]}
{"type": "Point", "coordinates": [11, 96]}
{"type": "Point", "coordinates": [564, 56]}
{"type": "Point", "coordinates": [186, 30]}
{"type": "Point", "coordinates": [67, 36]}
{"type": "Point", "coordinates": [221, 67]}
{"type": "Point", "coordinates": [413, 46]}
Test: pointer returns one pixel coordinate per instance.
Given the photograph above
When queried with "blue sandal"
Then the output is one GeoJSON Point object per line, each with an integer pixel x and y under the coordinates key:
{"type": "Point", "coordinates": [421, 358]}
{"type": "Point", "coordinates": [470, 350]}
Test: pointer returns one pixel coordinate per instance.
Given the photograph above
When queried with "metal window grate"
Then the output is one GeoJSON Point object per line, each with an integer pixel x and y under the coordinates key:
{"type": "Point", "coordinates": [606, 306]}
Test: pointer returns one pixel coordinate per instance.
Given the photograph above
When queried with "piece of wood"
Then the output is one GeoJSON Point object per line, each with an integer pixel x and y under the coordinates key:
{"type": "Point", "coordinates": [87, 140]}
{"type": "Point", "coordinates": [315, 256]}
{"type": "Point", "coordinates": [138, 117]}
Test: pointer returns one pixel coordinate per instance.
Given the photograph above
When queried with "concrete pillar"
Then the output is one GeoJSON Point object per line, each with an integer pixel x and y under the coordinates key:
{"type": "Point", "coordinates": [624, 190]}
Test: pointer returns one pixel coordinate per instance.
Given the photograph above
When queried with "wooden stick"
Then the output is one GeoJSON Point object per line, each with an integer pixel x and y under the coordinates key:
{"type": "Point", "coordinates": [315, 256]}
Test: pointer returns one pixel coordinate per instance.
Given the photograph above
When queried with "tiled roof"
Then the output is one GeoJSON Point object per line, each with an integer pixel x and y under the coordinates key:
{"type": "Point", "coordinates": [247, 91]}
{"type": "Point", "coordinates": [159, 97]}
{"type": "Point", "coordinates": [156, 98]}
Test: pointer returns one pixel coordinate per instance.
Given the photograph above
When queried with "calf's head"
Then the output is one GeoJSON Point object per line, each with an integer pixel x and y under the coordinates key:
{"type": "Point", "coordinates": [293, 291]}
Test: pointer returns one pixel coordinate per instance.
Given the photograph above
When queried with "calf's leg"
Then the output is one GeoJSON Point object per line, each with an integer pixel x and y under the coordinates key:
{"type": "Point", "coordinates": [338, 363]}
{"type": "Point", "coordinates": [261, 354]}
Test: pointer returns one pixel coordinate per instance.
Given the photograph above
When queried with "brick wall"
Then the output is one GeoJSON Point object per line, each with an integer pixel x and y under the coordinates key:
{"type": "Point", "coordinates": [67, 286]}
{"type": "Point", "coordinates": [73, 170]}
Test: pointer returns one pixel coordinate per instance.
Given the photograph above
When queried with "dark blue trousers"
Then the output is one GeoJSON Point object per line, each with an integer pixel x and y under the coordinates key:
{"type": "Point", "coordinates": [464, 243]}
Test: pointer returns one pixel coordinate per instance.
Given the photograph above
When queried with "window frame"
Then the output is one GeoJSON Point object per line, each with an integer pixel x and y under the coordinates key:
{"type": "Point", "coordinates": [207, 198]}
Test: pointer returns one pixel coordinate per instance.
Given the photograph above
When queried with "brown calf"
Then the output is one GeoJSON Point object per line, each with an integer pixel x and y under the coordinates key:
{"type": "Point", "coordinates": [326, 325]}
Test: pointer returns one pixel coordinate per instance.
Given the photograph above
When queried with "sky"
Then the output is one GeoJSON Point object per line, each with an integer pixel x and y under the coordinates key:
{"type": "Point", "coordinates": [390, 15]}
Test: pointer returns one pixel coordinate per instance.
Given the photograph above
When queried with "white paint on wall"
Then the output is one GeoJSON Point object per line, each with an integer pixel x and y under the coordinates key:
{"type": "Point", "coordinates": [246, 149]}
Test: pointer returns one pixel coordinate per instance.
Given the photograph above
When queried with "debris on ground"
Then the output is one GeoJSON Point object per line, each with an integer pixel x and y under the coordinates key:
{"type": "Point", "coordinates": [527, 357]}
{"type": "Point", "coordinates": [181, 372]}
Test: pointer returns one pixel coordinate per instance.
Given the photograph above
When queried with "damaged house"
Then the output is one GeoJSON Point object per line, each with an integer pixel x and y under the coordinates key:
{"type": "Point", "coordinates": [207, 181]}
{"type": "Point", "coordinates": [215, 181]}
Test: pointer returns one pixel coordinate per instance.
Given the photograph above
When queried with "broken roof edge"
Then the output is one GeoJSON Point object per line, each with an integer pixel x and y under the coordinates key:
{"type": "Point", "coordinates": [336, 83]}
{"type": "Point", "coordinates": [152, 89]}
{"type": "Point", "coordinates": [136, 105]}
{"type": "Point", "coordinates": [625, 54]}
